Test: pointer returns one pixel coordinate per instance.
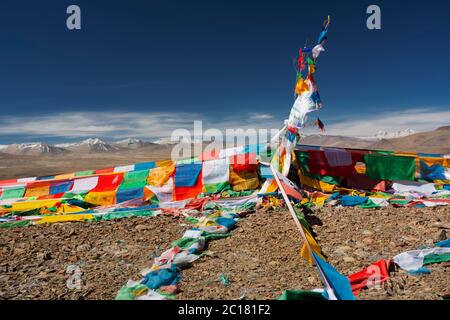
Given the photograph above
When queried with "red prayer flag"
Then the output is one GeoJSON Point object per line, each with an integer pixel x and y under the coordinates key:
{"type": "Point", "coordinates": [289, 187]}
{"type": "Point", "coordinates": [301, 60]}
{"type": "Point", "coordinates": [373, 275]}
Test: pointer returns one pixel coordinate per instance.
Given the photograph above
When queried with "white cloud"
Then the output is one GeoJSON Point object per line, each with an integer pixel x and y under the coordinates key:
{"type": "Point", "coordinates": [117, 125]}
{"type": "Point", "coordinates": [260, 116]}
{"type": "Point", "coordinates": [81, 124]}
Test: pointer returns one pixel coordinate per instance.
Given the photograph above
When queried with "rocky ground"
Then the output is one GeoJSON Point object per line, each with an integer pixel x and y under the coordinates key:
{"type": "Point", "coordinates": [362, 236]}
{"type": "Point", "coordinates": [262, 258]}
{"type": "Point", "coordinates": [37, 262]}
{"type": "Point", "coordinates": [259, 261]}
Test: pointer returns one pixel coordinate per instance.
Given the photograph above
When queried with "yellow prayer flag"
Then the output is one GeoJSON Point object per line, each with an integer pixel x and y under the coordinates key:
{"type": "Point", "coordinates": [65, 218]}
{"type": "Point", "coordinates": [31, 205]}
{"type": "Point", "coordinates": [316, 184]}
{"type": "Point", "coordinates": [305, 252]}
{"type": "Point", "coordinates": [104, 198]}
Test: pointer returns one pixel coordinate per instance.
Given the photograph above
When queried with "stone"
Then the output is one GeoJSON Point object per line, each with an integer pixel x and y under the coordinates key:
{"type": "Point", "coordinates": [83, 247]}
{"type": "Point", "coordinates": [441, 225]}
{"type": "Point", "coordinates": [141, 227]}
{"type": "Point", "coordinates": [348, 259]}
{"type": "Point", "coordinates": [44, 256]}
{"type": "Point", "coordinates": [441, 236]}
{"type": "Point", "coordinates": [360, 253]}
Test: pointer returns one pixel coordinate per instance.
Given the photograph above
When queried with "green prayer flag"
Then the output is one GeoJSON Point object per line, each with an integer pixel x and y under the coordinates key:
{"type": "Point", "coordinates": [134, 179]}
{"type": "Point", "coordinates": [369, 204]}
{"type": "Point", "coordinates": [188, 161]}
{"type": "Point", "coordinates": [302, 160]}
{"type": "Point", "coordinates": [386, 152]}
{"type": "Point", "coordinates": [217, 187]}
{"type": "Point", "coordinates": [129, 293]}
{"type": "Point", "coordinates": [73, 195]}
{"type": "Point", "coordinates": [184, 243]}
{"type": "Point", "coordinates": [192, 220]}
{"type": "Point", "coordinates": [385, 167]}
{"type": "Point", "coordinates": [400, 202]}
{"type": "Point", "coordinates": [12, 193]}
{"type": "Point", "coordinates": [124, 214]}
{"type": "Point", "coordinates": [303, 221]}
{"type": "Point", "coordinates": [436, 258]}
{"type": "Point", "coordinates": [15, 224]}
{"type": "Point", "coordinates": [214, 236]}
{"type": "Point", "coordinates": [84, 173]}
{"type": "Point", "coordinates": [301, 295]}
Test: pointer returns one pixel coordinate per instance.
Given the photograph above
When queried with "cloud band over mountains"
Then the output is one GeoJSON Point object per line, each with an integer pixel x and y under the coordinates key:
{"type": "Point", "coordinates": [116, 125]}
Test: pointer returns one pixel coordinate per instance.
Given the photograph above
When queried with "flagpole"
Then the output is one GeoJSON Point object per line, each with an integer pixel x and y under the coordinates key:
{"type": "Point", "coordinates": [297, 222]}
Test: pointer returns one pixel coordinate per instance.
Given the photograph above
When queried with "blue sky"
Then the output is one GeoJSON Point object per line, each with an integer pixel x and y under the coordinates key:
{"type": "Point", "coordinates": [144, 68]}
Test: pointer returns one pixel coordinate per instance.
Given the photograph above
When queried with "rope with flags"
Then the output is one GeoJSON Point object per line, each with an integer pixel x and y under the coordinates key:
{"type": "Point", "coordinates": [307, 100]}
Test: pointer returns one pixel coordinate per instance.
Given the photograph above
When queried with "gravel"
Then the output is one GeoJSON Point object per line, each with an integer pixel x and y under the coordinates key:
{"type": "Point", "coordinates": [38, 262]}
{"type": "Point", "coordinates": [262, 257]}
{"type": "Point", "coordinates": [259, 261]}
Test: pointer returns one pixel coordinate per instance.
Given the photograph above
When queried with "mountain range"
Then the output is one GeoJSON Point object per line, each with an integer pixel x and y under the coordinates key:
{"type": "Point", "coordinates": [91, 145]}
{"type": "Point", "coordinates": [437, 141]}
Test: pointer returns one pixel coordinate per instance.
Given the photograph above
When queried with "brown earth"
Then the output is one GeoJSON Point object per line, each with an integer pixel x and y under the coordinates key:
{"type": "Point", "coordinates": [261, 259]}
{"type": "Point", "coordinates": [20, 166]}
{"type": "Point", "coordinates": [335, 141]}
{"type": "Point", "coordinates": [34, 260]}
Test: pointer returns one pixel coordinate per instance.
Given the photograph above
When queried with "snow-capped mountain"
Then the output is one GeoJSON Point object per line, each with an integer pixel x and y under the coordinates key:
{"type": "Point", "coordinates": [380, 135]}
{"type": "Point", "coordinates": [89, 145]}
{"type": "Point", "coordinates": [162, 141]}
{"type": "Point", "coordinates": [132, 143]}
{"type": "Point", "coordinates": [168, 141]}
{"type": "Point", "coordinates": [35, 148]}
{"type": "Point", "coordinates": [396, 134]}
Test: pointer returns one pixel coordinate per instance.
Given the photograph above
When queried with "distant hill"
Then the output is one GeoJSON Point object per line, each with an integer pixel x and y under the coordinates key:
{"type": "Point", "coordinates": [133, 143]}
{"type": "Point", "coordinates": [37, 148]}
{"type": "Point", "coordinates": [335, 141]}
{"type": "Point", "coordinates": [437, 141]}
{"type": "Point", "coordinates": [91, 145]}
